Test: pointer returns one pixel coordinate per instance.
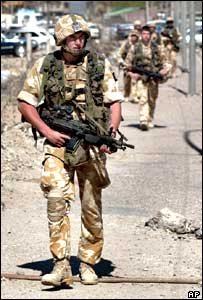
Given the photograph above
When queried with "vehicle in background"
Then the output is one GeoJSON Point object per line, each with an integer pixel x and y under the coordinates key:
{"type": "Point", "coordinates": [12, 37]}
{"type": "Point", "coordinates": [161, 15]}
{"type": "Point", "coordinates": [113, 30]}
{"type": "Point", "coordinates": [94, 30]}
{"type": "Point", "coordinates": [38, 34]}
{"type": "Point", "coordinates": [123, 30]}
{"type": "Point", "coordinates": [198, 36]}
{"type": "Point", "coordinates": [28, 17]}
{"type": "Point", "coordinates": [160, 24]}
{"type": "Point", "coordinates": [16, 47]}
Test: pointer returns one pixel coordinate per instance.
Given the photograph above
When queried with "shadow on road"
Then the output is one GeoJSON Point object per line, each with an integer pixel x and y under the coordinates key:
{"type": "Point", "coordinates": [187, 137]}
{"type": "Point", "coordinates": [137, 125]}
{"type": "Point", "coordinates": [103, 268]}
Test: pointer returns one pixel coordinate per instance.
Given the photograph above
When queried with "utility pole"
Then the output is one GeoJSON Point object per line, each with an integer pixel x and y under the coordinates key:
{"type": "Point", "coordinates": [176, 13]}
{"type": "Point", "coordinates": [172, 8]}
{"type": "Point", "coordinates": [28, 48]}
{"type": "Point", "coordinates": [146, 11]}
{"type": "Point", "coordinates": [192, 63]}
{"type": "Point", "coordinates": [183, 33]}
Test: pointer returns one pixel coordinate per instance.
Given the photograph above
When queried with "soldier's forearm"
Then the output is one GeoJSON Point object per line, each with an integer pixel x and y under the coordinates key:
{"type": "Point", "coordinates": [115, 115]}
{"type": "Point", "coordinates": [31, 115]}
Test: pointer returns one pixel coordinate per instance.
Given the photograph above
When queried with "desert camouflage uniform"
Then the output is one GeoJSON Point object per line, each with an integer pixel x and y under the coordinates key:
{"type": "Point", "coordinates": [147, 91]}
{"type": "Point", "coordinates": [57, 179]}
{"type": "Point", "coordinates": [121, 56]}
{"type": "Point", "coordinates": [171, 51]}
{"type": "Point", "coordinates": [129, 85]}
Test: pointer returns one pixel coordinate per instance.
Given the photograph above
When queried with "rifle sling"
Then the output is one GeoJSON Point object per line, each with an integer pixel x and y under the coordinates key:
{"type": "Point", "coordinates": [90, 118]}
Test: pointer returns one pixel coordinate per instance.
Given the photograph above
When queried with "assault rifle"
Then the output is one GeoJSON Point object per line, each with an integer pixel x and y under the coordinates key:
{"type": "Point", "coordinates": [79, 130]}
{"type": "Point", "coordinates": [142, 71]}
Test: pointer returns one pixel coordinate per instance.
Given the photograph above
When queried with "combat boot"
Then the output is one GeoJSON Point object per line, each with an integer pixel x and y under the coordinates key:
{"type": "Point", "coordinates": [87, 274]}
{"type": "Point", "coordinates": [61, 274]}
{"type": "Point", "coordinates": [144, 126]}
{"type": "Point", "coordinates": [150, 125]}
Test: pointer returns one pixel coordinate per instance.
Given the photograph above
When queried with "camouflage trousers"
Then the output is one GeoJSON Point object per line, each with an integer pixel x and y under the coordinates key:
{"type": "Point", "coordinates": [134, 92]}
{"type": "Point", "coordinates": [171, 56]}
{"type": "Point", "coordinates": [173, 61]}
{"type": "Point", "coordinates": [57, 183]}
{"type": "Point", "coordinates": [147, 94]}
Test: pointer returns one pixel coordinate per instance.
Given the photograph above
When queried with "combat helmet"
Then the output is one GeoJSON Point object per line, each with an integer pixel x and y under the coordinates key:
{"type": "Point", "coordinates": [169, 19]}
{"type": "Point", "coordinates": [68, 25]}
{"type": "Point", "coordinates": [137, 23]}
{"type": "Point", "coordinates": [152, 25]}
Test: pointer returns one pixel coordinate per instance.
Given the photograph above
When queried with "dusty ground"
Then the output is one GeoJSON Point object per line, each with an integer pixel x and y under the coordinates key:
{"type": "Point", "coordinates": [163, 170]}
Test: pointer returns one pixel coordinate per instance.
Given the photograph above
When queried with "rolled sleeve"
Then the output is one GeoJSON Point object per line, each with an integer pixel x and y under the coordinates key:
{"type": "Point", "coordinates": [110, 86]}
{"type": "Point", "coordinates": [166, 63]}
{"type": "Point", "coordinates": [31, 88]}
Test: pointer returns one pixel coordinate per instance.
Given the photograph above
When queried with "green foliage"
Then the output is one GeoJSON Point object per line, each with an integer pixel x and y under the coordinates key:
{"type": "Point", "coordinates": [138, 4]}
{"type": "Point", "coordinates": [122, 4]}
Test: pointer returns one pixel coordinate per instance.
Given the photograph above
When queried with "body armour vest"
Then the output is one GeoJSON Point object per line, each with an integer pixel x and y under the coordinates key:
{"type": "Point", "coordinates": [53, 87]}
{"type": "Point", "coordinates": [152, 63]}
{"type": "Point", "coordinates": [125, 50]}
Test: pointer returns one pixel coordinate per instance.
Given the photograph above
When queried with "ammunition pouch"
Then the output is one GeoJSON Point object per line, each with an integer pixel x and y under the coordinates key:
{"type": "Point", "coordinates": [102, 180]}
{"type": "Point", "coordinates": [77, 152]}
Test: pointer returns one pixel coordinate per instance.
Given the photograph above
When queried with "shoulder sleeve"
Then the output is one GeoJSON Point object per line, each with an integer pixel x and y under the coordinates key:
{"type": "Point", "coordinates": [110, 85]}
{"type": "Point", "coordinates": [121, 50]}
{"type": "Point", "coordinates": [164, 58]}
{"type": "Point", "coordinates": [31, 88]}
{"type": "Point", "coordinates": [130, 56]}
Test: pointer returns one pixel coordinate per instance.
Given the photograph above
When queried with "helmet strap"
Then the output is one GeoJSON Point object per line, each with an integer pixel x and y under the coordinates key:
{"type": "Point", "coordinates": [77, 52]}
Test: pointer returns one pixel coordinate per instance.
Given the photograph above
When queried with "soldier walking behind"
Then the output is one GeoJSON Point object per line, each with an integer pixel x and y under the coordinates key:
{"type": "Point", "coordinates": [121, 55]}
{"type": "Point", "coordinates": [171, 38]}
{"type": "Point", "coordinates": [82, 81]}
{"type": "Point", "coordinates": [148, 55]}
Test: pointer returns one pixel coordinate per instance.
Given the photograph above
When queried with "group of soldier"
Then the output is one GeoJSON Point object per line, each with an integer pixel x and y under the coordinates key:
{"type": "Point", "coordinates": [154, 52]}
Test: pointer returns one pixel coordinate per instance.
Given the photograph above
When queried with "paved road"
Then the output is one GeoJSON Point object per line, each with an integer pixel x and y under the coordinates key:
{"type": "Point", "coordinates": [164, 170]}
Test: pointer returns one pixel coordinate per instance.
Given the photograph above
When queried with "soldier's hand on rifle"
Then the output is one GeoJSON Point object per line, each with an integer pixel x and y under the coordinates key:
{"type": "Point", "coordinates": [105, 149]}
{"type": "Point", "coordinates": [163, 72]}
{"type": "Point", "coordinates": [134, 76]}
{"type": "Point", "coordinates": [57, 138]}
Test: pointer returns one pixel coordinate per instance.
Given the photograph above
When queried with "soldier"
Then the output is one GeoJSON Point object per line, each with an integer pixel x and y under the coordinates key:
{"type": "Point", "coordinates": [137, 26]}
{"type": "Point", "coordinates": [171, 39]}
{"type": "Point", "coordinates": [147, 54]}
{"type": "Point", "coordinates": [155, 36]}
{"type": "Point", "coordinates": [121, 55]}
{"type": "Point", "coordinates": [83, 81]}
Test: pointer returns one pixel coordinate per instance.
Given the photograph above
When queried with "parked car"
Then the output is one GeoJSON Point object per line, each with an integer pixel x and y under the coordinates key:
{"type": "Point", "coordinates": [38, 34]}
{"type": "Point", "coordinates": [11, 36]}
{"type": "Point", "coordinates": [198, 36]}
{"type": "Point", "coordinates": [94, 30]}
{"type": "Point", "coordinates": [13, 46]}
{"type": "Point", "coordinates": [123, 30]}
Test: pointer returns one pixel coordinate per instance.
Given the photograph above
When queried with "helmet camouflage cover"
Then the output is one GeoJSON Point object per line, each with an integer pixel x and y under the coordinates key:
{"type": "Point", "coordinates": [152, 25]}
{"type": "Point", "coordinates": [137, 23]}
{"type": "Point", "coordinates": [68, 25]}
{"type": "Point", "coordinates": [169, 19]}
